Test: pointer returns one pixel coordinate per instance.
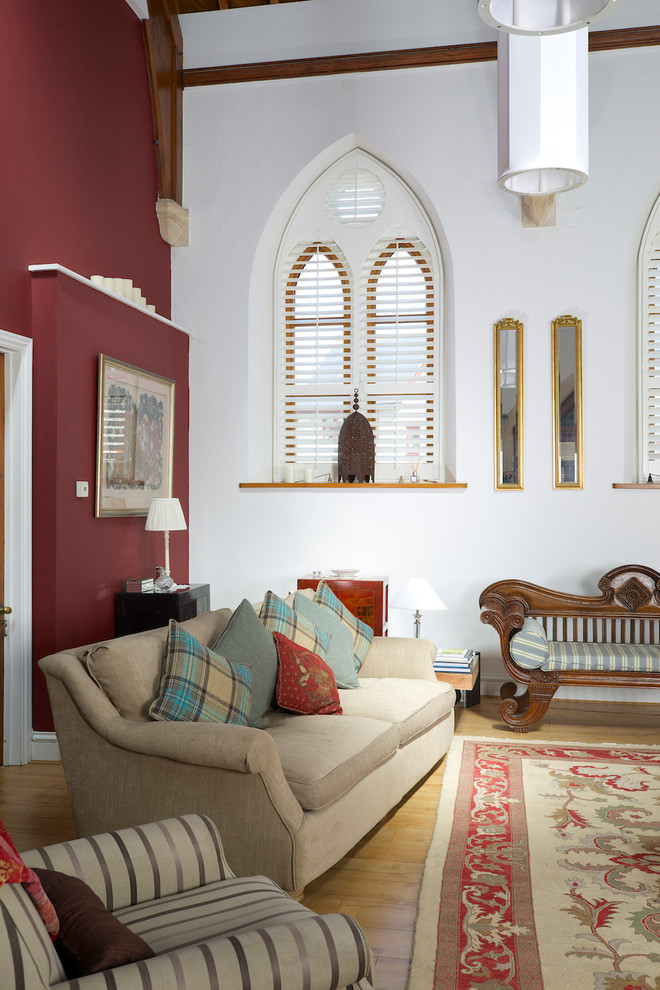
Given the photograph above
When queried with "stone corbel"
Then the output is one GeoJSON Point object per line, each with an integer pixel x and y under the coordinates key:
{"type": "Point", "coordinates": [173, 221]}
{"type": "Point", "coordinates": [538, 211]}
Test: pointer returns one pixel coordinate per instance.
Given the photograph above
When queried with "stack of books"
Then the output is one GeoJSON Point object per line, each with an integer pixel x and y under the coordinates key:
{"type": "Point", "coordinates": [455, 661]}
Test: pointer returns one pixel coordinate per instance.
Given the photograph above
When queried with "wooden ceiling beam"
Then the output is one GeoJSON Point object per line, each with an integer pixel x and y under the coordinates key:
{"type": "Point", "coordinates": [163, 43]}
{"type": "Point", "coordinates": [408, 58]}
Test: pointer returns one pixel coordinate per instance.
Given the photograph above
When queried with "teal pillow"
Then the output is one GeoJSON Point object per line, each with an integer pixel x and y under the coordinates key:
{"type": "Point", "coordinates": [529, 647]}
{"type": "Point", "coordinates": [362, 633]}
{"type": "Point", "coordinates": [340, 651]}
{"type": "Point", "coordinates": [246, 640]}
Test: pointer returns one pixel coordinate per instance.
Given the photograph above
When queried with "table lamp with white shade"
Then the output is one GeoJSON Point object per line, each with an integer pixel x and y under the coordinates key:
{"type": "Point", "coordinates": [165, 514]}
{"type": "Point", "coordinates": [417, 594]}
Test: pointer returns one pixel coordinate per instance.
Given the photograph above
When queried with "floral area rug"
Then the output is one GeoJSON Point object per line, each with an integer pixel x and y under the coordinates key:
{"type": "Point", "coordinates": [544, 870]}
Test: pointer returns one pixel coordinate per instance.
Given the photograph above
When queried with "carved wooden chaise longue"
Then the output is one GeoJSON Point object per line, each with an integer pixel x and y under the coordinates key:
{"type": "Point", "coordinates": [549, 638]}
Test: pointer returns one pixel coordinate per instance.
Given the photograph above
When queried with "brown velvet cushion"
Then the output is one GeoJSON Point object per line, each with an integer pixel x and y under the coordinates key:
{"type": "Point", "coordinates": [90, 939]}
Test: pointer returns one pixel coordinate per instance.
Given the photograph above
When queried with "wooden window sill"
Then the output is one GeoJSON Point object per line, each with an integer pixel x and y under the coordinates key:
{"type": "Point", "coordinates": [641, 484]}
{"type": "Point", "coordinates": [351, 486]}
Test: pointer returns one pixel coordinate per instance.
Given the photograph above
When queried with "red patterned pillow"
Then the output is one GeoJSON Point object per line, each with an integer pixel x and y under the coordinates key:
{"type": "Point", "coordinates": [14, 870]}
{"type": "Point", "coordinates": [305, 683]}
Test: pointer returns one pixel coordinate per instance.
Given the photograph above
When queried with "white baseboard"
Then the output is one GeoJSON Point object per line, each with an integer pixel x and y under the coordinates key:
{"type": "Point", "coordinates": [44, 748]}
{"type": "Point", "coordinates": [490, 687]}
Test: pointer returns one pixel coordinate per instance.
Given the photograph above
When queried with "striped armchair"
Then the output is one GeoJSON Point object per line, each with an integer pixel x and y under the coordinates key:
{"type": "Point", "coordinates": [169, 883]}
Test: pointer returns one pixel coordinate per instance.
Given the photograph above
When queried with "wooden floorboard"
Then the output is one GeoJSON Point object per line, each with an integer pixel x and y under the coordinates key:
{"type": "Point", "coordinates": [378, 881]}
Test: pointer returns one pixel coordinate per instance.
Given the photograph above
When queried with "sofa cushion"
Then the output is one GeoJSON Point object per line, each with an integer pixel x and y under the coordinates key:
{"type": "Point", "coordinates": [277, 616]}
{"type": "Point", "coordinates": [192, 916]}
{"type": "Point", "coordinates": [529, 647]}
{"type": "Point", "coordinates": [91, 939]}
{"type": "Point", "coordinates": [246, 640]}
{"type": "Point", "coordinates": [322, 758]}
{"type": "Point", "coordinates": [609, 657]}
{"type": "Point", "coordinates": [128, 669]}
{"type": "Point", "coordinates": [362, 633]}
{"type": "Point", "coordinates": [199, 685]}
{"type": "Point", "coordinates": [305, 683]}
{"type": "Point", "coordinates": [412, 706]}
{"type": "Point", "coordinates": [340, 647]}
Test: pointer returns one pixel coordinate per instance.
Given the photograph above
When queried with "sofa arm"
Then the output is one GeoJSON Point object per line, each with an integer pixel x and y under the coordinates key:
{"type": "Point", "coordinates": [139, 864]}
{"type": "Point", "coordinates": [318, 953]}
{"type": "Point", "coordinates": [399, 656]}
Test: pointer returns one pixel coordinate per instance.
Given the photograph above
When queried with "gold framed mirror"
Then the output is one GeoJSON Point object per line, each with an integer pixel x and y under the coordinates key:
{"type": "Point", "coordinates": [567, 402]}
{"type": "Point", "coordinates": [509, 405]}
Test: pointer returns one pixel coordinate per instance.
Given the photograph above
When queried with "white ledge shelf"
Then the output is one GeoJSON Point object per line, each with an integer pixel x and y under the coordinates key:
{"type": "Point", "coordinates": [356, 485]}
{"type": "Point", "coordinates": [55, 268]}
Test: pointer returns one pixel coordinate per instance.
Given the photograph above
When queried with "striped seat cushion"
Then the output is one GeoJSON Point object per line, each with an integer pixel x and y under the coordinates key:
{"type": "Point", "coordinates": [603, 656]}
{"type": "Point", "coordinates": [218, 909]}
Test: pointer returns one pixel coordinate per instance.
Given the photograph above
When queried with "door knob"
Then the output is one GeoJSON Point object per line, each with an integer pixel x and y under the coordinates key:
{"type": "Point", "coordinates": [5, 610]}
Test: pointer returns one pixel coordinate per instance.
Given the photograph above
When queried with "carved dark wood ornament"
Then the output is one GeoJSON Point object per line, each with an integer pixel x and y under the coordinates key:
{"type": "Point", "coordinates": [356, 454]}
{"type": "Point", "coordinates": [633, 595]}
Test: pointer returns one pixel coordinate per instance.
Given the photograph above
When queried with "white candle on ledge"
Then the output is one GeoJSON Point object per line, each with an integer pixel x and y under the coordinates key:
{"type": "Point", "coordinates": [309, 475]}
{"type": "Point", "coordinates": [290, 473]}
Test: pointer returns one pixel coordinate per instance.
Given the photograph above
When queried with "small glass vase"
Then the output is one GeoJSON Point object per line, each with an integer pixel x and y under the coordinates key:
{"type": "Point", "coordinates": [163, 582]}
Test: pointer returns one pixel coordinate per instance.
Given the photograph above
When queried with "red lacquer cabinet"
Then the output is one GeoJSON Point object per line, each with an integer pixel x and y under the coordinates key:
{"type": "Point", "coordinates": [365, 597]}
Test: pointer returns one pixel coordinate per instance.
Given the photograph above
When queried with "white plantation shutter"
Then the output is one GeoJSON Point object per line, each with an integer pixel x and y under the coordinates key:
{"type": "Point", "coordinates": [649, 309]}
{"type": "Point", "coordinates": [380, 336]}
{"type": "Point", "coordinates": [399, 354]}
{"type": "Point", "coordinates": [315, 355]}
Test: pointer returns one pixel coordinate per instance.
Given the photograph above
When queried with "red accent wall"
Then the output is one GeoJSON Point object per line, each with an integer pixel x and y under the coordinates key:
{"type": "Point", "coordinates": [77, 170]}
{"type": "Point", "coordinates": [78, 181]}
{"type": "Point", "coordinates": [79, 561]}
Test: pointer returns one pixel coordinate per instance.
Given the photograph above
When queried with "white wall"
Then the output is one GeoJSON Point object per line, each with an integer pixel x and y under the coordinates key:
{"type": "Point", "coordinates": [249, 150]}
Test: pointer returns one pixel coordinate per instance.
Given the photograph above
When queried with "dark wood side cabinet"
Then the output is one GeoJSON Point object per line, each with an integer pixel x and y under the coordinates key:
{"type": "Point", "coordinates": [366, 597]}
{"type": "Point", "coordinates": [136, 611]}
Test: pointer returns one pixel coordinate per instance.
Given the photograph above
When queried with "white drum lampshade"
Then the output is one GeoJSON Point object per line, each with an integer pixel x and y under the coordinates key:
{"type": "Point", "coordinates": [542, 16]}
{"type": "Point", "coordinates": [543, 112]}
{"type": "Point", "coordinates": [165, 514]}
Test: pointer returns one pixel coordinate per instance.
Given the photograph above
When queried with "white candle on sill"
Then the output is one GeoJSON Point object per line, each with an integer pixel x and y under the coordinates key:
{"type": "Point", "coordinates": [309, 475]}
{"type": "Point", "coordinates": [290, 473]}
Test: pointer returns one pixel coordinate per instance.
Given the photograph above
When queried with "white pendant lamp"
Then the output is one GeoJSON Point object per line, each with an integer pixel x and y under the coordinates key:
{"type": "Point", "coordinates": [543, 112]}
{"type": "Point", "coordinates": [542, 16]}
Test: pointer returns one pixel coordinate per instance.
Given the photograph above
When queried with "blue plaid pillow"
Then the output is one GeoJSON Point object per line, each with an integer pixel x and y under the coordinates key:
{"type": "Point", "coordinates": [279, 617]}
{"type": "Point", "coordinates": [199, 685]}
{"type": "Point", "coordinates": [361, 632]}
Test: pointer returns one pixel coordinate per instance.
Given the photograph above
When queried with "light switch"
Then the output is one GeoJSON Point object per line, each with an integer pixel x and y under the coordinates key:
{"type": "Point", "coordinates": [82, 489]}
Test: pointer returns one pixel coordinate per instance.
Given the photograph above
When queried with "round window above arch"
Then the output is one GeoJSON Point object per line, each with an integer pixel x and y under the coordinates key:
{"type": "Point", "coordinates": [356, 197]}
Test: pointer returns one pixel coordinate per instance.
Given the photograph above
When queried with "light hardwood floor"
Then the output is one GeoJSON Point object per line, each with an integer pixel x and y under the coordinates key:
{"type": "Point", "coordinates": [378, 882]}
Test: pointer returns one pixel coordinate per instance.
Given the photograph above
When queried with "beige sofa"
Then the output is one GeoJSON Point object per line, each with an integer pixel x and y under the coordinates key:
{"type": "Point", "coordinates": [290, 799]}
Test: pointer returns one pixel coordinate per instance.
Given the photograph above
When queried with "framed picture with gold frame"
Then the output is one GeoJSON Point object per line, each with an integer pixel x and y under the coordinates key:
{"type": "Point", "coordinates": [135, 439]}
{"type": "Point", "coordinates": [567, 402]}
{"type": "Point", "coordinates": [509, 434]}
